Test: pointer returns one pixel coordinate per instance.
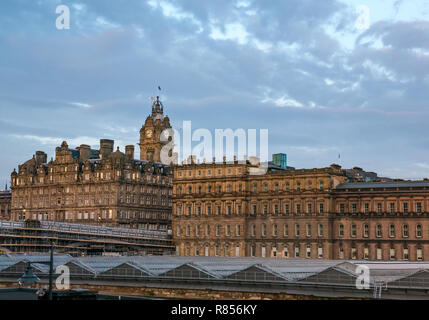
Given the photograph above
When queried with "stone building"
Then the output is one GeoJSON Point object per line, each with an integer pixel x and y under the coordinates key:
{"type": "Point", "coordinates": [219, 209]}
{"type": "Point", "coordinates": [98, 186]}
{"type": "Point", "coordinates": [381, 221]}
{"type": "Point", "coordinates": [5, 207]}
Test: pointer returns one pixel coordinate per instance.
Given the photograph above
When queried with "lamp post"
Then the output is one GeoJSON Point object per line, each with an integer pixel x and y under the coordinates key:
{"type": "Point", "coordinates": [29, 276]}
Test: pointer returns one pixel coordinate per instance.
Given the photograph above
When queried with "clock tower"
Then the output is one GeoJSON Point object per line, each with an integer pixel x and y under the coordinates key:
{"type": "Point", "coordinates": [150, 142]}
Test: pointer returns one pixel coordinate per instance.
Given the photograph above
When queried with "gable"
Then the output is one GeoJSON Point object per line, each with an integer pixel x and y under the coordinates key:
{"type": "Point", "coordinates": [188, 271]}
{"type": "Point", "coordinates": [126, 270]}
{"type": "Point", "coordinates": [256, 273]}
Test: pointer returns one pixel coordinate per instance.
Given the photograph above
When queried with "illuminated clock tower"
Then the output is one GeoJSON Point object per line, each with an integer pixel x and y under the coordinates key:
{"type": "Point", "coordinates": [150, 143]}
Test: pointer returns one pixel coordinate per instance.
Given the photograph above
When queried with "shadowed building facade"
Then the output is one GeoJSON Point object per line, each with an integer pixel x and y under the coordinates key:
{"type": "Point", "coordinates": [5, 204]}
{"type": "Point", "coordinates": [98, 186]}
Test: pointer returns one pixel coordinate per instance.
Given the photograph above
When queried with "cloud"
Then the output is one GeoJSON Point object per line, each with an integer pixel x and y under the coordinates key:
{"type": "Point", "coordinates": [215, 61]}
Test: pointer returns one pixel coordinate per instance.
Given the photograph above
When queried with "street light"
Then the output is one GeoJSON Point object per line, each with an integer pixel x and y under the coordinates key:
{"type": "Point", "coordinates": [29, 276]}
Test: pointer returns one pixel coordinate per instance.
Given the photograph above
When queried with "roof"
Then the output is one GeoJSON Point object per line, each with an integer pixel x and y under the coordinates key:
{"type": "Point", "coordinates": [399, 184]}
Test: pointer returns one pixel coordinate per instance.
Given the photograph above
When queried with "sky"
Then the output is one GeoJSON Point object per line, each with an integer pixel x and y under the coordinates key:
{"type": "Point", "coordinates": [326, 78]}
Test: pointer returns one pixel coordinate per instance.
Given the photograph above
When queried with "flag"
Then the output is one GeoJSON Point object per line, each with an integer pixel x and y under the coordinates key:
{"type": "Point", "coordinates": [159, 88]}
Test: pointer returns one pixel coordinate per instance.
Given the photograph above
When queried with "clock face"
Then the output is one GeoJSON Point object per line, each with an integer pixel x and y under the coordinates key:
{"type": "Point", "coordinates": [149, 133]}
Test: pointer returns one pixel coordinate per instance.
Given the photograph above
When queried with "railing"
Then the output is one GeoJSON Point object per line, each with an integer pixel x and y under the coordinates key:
{"type": "Point", "coordinates": [80, 228]}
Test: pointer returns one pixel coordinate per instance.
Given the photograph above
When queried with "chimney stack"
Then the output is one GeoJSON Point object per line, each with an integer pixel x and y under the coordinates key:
{"type": "Point", "coordinates": [129, 152]}
{"type": "Point", "coordinates": [84, 152]}
{"type": "Point", "coordinates": [106, 148]}
{"type": "Point", "coordinates": [41, 157]}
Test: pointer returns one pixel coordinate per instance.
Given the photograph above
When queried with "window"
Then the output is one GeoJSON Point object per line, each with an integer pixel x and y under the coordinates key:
{"type": "Point", "coordinates": [354, 253]}
{"type": "Point", "coordinates": [321, 185]}
{"type": "Point", "coordinates": [285, 252]}
{"type": "Point", "coordinates": [309, 185]}
{"type": "Point", "coordinates": [276, 187]}
{"type": "Point", "coordinates": [296, 252]}
{"type": "Point", "coordinates": [379, 254]}
{"type": "Point", "coordinates": [286, 230]}
{"type": "Point", "coordinates": [320, 252]}
{"type": "Point", "coordinates": [353, 230]}
{"type": "Point", "coordinates": [418, 231]}
{"type": "Point", "coordinates": [308, 251]}
{"type": "Point", "coordinates": [405, 230]}
{"type": "Point", "coordinates": [287, 186]}
{"type": "Point", "coordinates": [298, 186]}
{"type": "Point", "coordinates": [297, 230]}
{"type": "Point", "coordinates": [366, 231]}
{"type": "Point", "coordinates": [392, 254]}
{"type": "Point", "coordinates": [276, 209]}
{"type": "Point", "coordinates": [298, 208]}
{"type": "Point", "coordinates": [308, 230]}
{"type": "Point", "coordinates": [309, 208]}
{"type": "Point", "coordinates": [320, 230]}
{"type": "Point", "coordinates": [321, 208]}
{"type": "Point", "coordinates": [239, 209]}
{"type": "Point", "coordinates": [287, 208]}
{"type": "Point", "coordinates": [265, 209]}
{"type": "Point", "coordinates": [188, 230]}
{"type": "Point", "coordinates": [392, 207]}
{"type": "Point", "coordinates": [254, 209]}
{"type": "Point", "coordinates": [419, 254]}
{"type": "Point", "coordinates": [238, 230]}
{"type": "Point", "coordinates": [275, 230]}
{"type": "Point", "coordinates": [341, 207]}
{"type": "Point", "coordinates": [209, 210]}
{"type": "Point", "coordinates": [405, 254]}
{"type": "Point", "coordinates": [392, 231]}
{"type": "Point", "coordinates": [365, 253]}
{"type": "Point", "coordinates": [228, 210]}
{"type": "Point", "coordinates": [240, 187]}
{"type": "Point", "coordinates": [341, 253]}
{"type": "Point", "coordinates": [255, 187]}
{"type": "Point", "coordinates": [354, 208]}
{"type": "Point", "coordinates": [228, 230]}
{"type": "Point", "coordinates": [218, 210]}
{"type": "Point", "coordinates": [264, 230]}
{"type": "Point", "coordinates": [253, 229]}
{"type": "Point", "coordinates": [378, 207]}
{"type": "Point", "coordinates": [378, 233]}
{"type": "Point", "coordinates": [252, 250]}
{"type": "Point", "coordinates": [419, 207]}
{"type": "Point", "coordinates": [366, 207]}
{"type": "Point", "coordinates": [178, 231]}
{"type": "Point", "coordinates": [265, 187]}
{"type": "Point", "coordinates": [218, 230]}
{"type": "Point", "coordinates": [405, 206]}
{"type": "Point", "coordinates": [341, 230]}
